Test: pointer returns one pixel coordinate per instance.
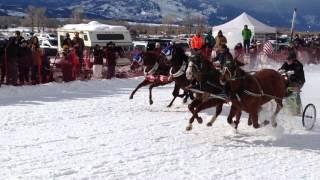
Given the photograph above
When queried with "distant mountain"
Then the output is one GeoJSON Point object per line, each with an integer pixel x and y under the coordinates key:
{"type": "Point", "coordinates": [272, 12]}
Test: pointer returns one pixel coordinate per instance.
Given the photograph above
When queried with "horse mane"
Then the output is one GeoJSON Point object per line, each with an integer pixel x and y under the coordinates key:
{"type": "Point", "coordinates": [150, 53]}
{"type": "Point", "coordinates": [150, 56]}
{"type": "Point", "coordinates": [180, 52]}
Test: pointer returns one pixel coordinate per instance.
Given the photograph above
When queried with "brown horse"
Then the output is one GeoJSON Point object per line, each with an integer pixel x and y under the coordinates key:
{"type": "Point", "coordinates": [208, 95]}
{"type": "Point", "coordinates": [249, 92]}
{"type": "Point", "coordinates": [155, 66]}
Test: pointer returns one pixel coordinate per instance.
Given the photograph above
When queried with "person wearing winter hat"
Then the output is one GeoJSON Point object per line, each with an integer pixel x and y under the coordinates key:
{"type": "Point", "coordinates": [293, 69]}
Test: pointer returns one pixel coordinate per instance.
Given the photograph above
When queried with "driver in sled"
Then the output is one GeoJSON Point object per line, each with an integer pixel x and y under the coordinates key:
{"type": "Point", "coordinates": [293, 69]}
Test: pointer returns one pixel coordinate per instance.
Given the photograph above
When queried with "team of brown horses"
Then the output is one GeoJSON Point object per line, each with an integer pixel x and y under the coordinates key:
{"type": "Point", "coordinates": [246, 92]}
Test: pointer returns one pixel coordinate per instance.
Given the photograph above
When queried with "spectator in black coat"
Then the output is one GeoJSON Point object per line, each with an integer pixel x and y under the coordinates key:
{"type": "Point", "coordinates": [98, 55]}
{"type": "Point", "coordinates": [25, 62]}
{"type": "Point", "coordinates": [67, 41]}
{"type": "Point", "coordinates": [13, 54]}
{"type": "Point", "coordinates": [111, 55]}
{"type": "Point", "coordinates": [3, 62]}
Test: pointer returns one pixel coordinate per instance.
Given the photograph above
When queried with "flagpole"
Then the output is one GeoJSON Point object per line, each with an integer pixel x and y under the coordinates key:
{"type": "Point", "coordinates": [293, 23]}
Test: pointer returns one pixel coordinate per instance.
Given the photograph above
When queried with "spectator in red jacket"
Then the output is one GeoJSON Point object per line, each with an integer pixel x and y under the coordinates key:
{"type": "Point", "coordinates": [197, 42]}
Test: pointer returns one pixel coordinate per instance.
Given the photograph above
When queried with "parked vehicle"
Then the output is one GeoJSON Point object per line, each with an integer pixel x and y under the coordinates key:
{"type": "Point", "coordinates": [50, 46]}
{"type": "Point", "coordinates": [281, 42]}
{"type": "Point", "coordinates": [185, 45]}
{"type": "Point", "coordinates": [95, 33]}
{"type": "Point", "coordinates": [141, 45]}
{"type": "Point", "coordinates": [45, 36]}
{"type": "Point", "coordinates": [152, 43]}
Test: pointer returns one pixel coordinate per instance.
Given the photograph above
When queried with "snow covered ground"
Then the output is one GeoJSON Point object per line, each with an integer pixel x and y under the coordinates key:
{"type": "Point", "coordinates": [91, 130]}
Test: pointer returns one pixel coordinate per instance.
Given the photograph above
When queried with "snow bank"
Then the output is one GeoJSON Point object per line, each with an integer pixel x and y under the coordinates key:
{"type": "Point", "coordinates": [91, 130]}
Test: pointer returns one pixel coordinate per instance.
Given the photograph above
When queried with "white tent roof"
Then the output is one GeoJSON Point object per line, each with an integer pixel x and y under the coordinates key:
{"type": "Point", "coordinates": [240, 21]}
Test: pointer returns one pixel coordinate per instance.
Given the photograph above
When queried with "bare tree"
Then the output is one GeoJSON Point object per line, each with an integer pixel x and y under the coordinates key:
{"type": "Point", "coordinates": [201, 22]}
{"type": "Point", "coordinates": [31, 16]}
{"type": "Point", "coordinates": [77, 14]}
{"type": "Point", "coordinates": [36, 18]}
{"type": "Point", "coordinates": [168, 21]}
{"type": "Point", "coordinates": [53, 23]}
{"type": "Point", "coordinates": [198, 22]}
{"type": "Point", "coordinates": [188, 23]}
{"type": "Point", "coordinates": [41, 18]}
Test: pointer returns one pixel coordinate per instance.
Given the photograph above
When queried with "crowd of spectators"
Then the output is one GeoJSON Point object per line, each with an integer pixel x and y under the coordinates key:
{"type": "Point", "coordinates": [23, 62]}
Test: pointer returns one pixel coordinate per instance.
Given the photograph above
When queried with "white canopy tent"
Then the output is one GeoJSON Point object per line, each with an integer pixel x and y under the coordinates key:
{"type": "Point", "coordinates": [232, 30]}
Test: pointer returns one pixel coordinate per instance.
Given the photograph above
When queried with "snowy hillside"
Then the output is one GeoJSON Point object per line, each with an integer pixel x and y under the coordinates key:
{"type": "Point", "coordinates": [272, 12]}
{"type": "Point", "coordinates": [91, 130]}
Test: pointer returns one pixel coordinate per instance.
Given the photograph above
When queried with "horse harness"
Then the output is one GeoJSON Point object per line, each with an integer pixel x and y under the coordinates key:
{"type": "Point", "coordinates": [194, 65]}
{"type": "Point", "coordinates": [245, 91]}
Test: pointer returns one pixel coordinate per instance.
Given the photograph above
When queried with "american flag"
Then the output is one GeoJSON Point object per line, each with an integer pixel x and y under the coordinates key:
{"type": "Point", "coordinates": [268, 49]}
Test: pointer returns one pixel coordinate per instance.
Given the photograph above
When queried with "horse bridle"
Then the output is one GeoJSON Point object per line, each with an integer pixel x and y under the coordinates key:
{"type": "Point", "coordinates": [250, 93]}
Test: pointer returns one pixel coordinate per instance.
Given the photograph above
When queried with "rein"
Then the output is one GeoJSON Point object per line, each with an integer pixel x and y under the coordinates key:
{"type": "Point", "coordinates": [214, 85]}
{"type": "Point", "coordinates": [215, 96]}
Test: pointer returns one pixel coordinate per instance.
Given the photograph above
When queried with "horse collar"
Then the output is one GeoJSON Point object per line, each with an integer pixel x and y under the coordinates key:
{"type": "Point", "coordinates": [180, 72]}
{"type": "Point", "coordinates": [153, 69]}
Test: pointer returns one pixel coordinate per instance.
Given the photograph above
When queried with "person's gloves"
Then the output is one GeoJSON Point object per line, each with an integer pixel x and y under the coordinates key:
{"type": "Point", "coordinates": [290, 73]}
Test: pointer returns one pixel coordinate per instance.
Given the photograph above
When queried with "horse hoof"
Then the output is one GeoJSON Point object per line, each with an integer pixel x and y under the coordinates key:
{"type": "Point", "coordinates": [189, 128]}
{"type": "Point", "coordinates": [199, 120]}
{"type": "Point", "coordinates": [185, 101]}
{"type": "Point", "coordinates": [265, 122]}
{"type": "Point", "coordinates": [209, 124]}
{"type": "Point", "coordinates": [274, 125]}
{"type": "Point", "coordinates": [151, 102]}
{"type": "Point", "coordinates": [130, 97]}
{"type": "Point", "coordinates": [169, 106]}
{"type": "Point", "coordinates": [236, 124]}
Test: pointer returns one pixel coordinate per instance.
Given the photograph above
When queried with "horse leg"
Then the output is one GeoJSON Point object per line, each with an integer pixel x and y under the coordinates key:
{"type": "Point", "coordinates": [208, 104]}
{"type": "Point", "coordinates": [175, 94]}
{"type": "Point", "coordinates": [174, 98]}
{"type": "Point", "coordinates": [186, 96]}
{"type": "Point", "coordinates": [218, 111]}
{"type": "Point", "coordinates": [237, 121]}
{"type": "Point", "coordinates": [191, 95]}
{"type": "Point", "coordinates": [273, 118]}
{"type": "Point", "coordinates": [200, 107]}
{"type": "Point", "coordinates": [249, 120]}
{"type": "Point", "coordinates": [150, 92]}
{"type": "Point", "coordinates": [191, 108]}
{"type": "Point", "coordinates": [143, 83]}
{"type": "Point", "coordinates": [232, 113]}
